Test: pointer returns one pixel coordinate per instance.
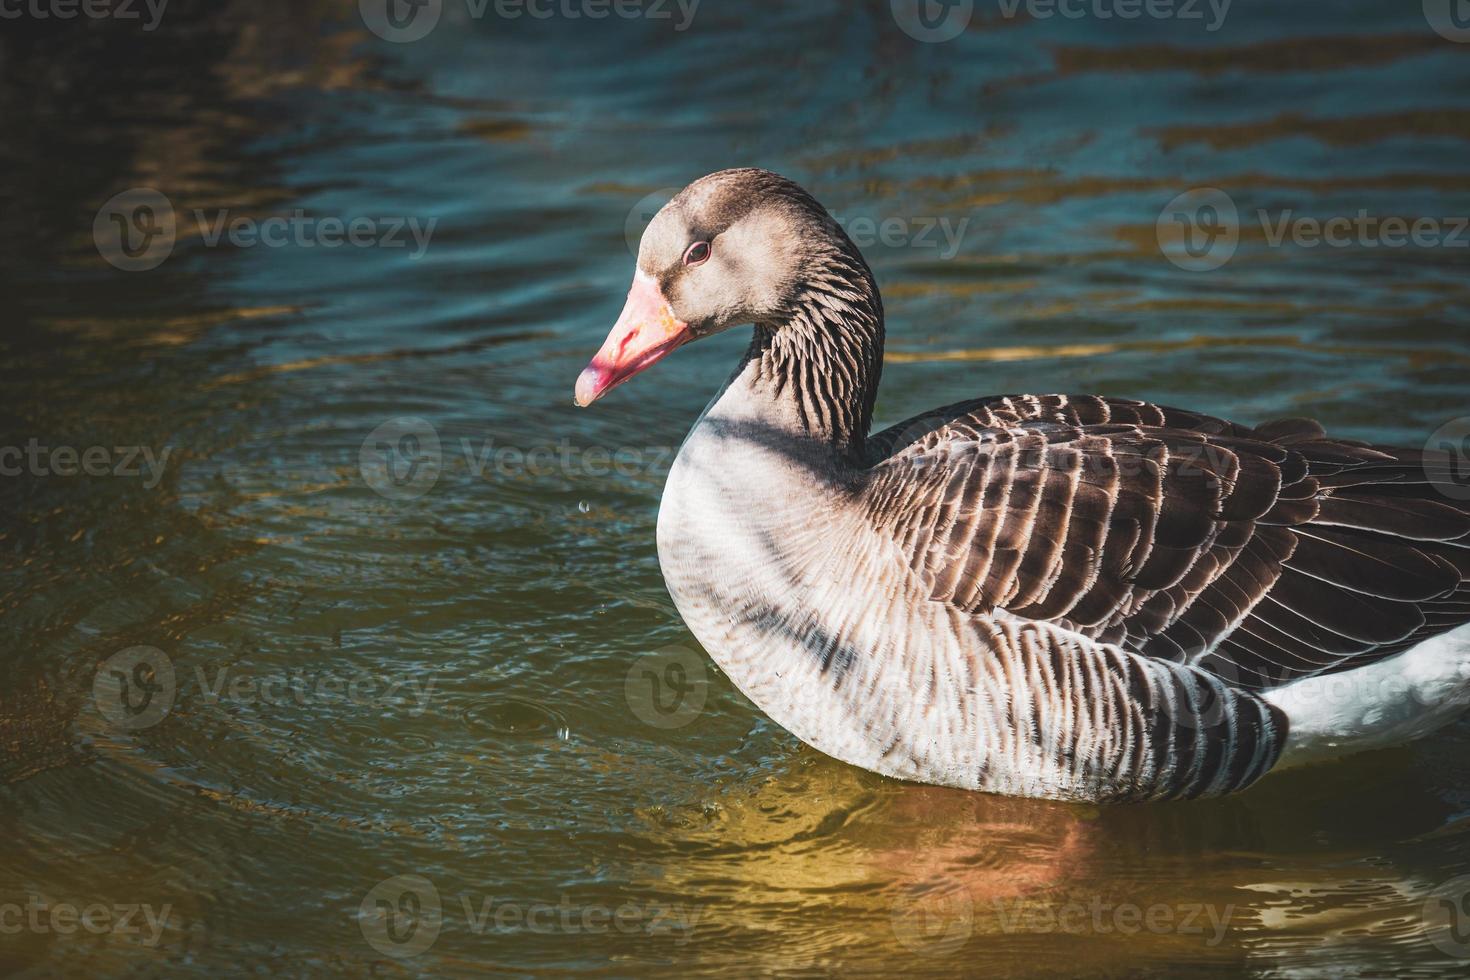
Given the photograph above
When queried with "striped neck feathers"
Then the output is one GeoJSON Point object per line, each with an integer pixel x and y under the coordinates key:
{"type": "Point", "coordinates": [824, 359]}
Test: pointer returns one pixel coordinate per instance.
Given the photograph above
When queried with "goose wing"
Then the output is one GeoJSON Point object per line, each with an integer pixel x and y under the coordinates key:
{"type": "Point", "coordinates": [1261, 555]}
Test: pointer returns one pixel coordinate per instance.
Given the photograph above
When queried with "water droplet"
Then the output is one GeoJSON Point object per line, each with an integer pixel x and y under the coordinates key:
{"type": "Point", "coordinates": [510, 716]}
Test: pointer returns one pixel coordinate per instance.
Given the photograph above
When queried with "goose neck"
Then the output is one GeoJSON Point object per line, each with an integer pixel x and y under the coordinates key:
{"type": "Point", "coordinates": [818, 368]}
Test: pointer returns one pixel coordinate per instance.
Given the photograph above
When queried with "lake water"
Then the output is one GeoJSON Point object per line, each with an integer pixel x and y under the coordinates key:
{"type": "Point", "coordinates": [352, 654]}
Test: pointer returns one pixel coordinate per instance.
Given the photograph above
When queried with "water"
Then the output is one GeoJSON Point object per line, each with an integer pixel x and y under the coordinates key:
{"type": "Point", "coordinates": [473, 677]}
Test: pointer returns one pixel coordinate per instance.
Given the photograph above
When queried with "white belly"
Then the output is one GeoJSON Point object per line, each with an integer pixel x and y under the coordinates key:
{"type": "Point", "coordinates": [778, 581]}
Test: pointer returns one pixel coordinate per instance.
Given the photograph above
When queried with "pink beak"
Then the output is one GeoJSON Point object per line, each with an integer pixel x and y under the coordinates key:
{"type": "Point", "coordinates": [645, 334]}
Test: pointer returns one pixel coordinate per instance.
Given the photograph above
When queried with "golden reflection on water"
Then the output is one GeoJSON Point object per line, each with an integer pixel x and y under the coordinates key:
{"type": "Point", "coordinates": [1281, 55]}
{"type": "Point", "coordinates": [1415, 355]}
{"type": "Point", "coordinates": [1346, 131]}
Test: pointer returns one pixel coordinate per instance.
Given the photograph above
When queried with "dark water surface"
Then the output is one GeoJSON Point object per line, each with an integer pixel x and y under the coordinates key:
{"type": "Point", "coordinates": [380, 660]}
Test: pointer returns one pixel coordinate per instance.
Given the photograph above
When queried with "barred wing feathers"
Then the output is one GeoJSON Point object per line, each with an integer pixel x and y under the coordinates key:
{"type": "Point", "coordinates": [1261, 555]}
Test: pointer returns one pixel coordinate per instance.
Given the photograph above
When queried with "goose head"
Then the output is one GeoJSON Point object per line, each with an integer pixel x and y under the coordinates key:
{"type": "Point", "coordinates": [730, 249]}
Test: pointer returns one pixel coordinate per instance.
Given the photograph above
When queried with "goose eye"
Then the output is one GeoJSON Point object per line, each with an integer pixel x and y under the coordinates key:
{"type": "Point", "coordinates": [698, 253]}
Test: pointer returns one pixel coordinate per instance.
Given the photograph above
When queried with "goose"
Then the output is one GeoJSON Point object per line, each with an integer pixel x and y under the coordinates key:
{"type": "Point", "coordinates": [1079, 598]}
